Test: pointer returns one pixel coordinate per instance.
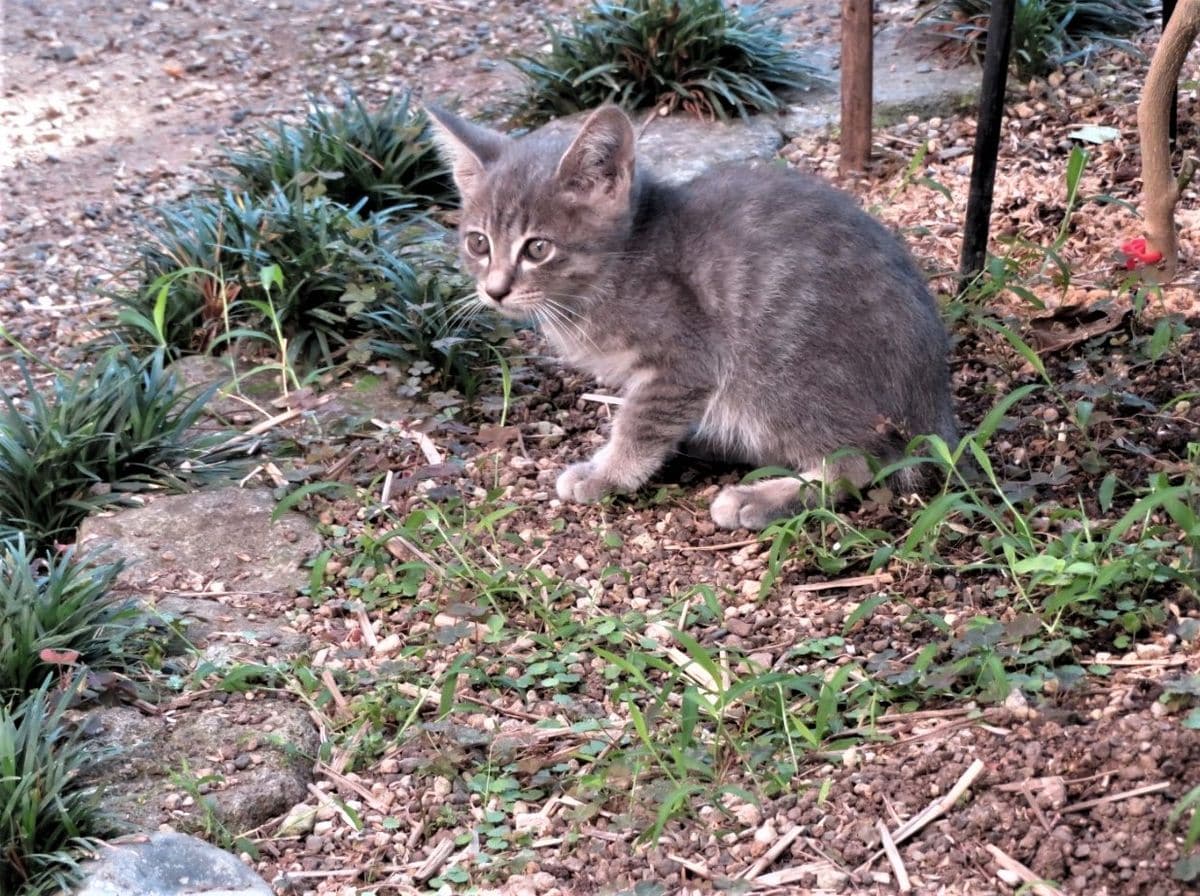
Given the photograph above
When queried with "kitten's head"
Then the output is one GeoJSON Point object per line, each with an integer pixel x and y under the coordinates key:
{"type": "Point", "coordinates": [542, 215]}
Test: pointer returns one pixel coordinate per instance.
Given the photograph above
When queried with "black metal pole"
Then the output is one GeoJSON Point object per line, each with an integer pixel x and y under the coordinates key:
{"type": "Point", "coordinates": [987, 139]}
{"type": "Point", "coordinates": [1168, 9]}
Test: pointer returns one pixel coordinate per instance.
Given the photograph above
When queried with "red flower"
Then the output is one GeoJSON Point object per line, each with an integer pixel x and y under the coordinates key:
{"type": "Point", "coordinates": [1137, 254]}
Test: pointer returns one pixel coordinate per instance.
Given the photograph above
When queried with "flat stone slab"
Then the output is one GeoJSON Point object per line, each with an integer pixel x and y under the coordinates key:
{"type": "Point", "coordinates": [216, 540]}
{"type": "Point", "coordinates": [678, 147]}
{"type": "Point", "coordinates": [904, 84]}
{"type": "Point", "coordinates": [168, 864]}
{"type": "Point", "coordinates": [214, 560]}
{"type": "Point", "coordinates": [247, 399]}
{"type": "Point", "coordinates": [254, 757]}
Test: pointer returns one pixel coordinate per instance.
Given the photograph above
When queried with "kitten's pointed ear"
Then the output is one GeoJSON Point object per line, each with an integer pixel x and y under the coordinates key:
{"type": "Point", "coordinates": [599, 162]}
{"type": "Point", "coordinates": [467, 147]}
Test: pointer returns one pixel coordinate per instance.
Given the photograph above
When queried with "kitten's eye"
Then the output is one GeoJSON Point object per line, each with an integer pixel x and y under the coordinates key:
{"type": "Point", "coordinates": [538, 250]}
{"type": "Point", "coordinates": [477, 243]}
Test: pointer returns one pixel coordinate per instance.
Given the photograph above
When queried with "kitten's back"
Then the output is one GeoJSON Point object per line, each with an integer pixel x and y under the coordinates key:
{"type": "Point", "coordinates": [822, 312]}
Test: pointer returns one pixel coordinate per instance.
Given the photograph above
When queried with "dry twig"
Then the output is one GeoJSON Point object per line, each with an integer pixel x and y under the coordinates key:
{"type": "Point", "coordinates": [695, 867]}
{"type": "Point", "coordinates": [879, 578]}
{"type": "Point", "coordinates": [727, 546]}
{"type": "Point", "coordinates": [1007, 862]}
{"type": "Point", "coordinates": [785, 876]}
{"type": "Point", "coordinates": [931, 812]}
{"type": "Point", "coordinates": [893, 855]}
{"type": "Point", "coordinates": [430, 450]}
{"type": "Point", "coordinates": [349, 784]}
{"type": "Point", "coordinates": [434, 861]}
{"type": "Point", "coordinates": [1115, 797]}
{"type": "Point", "coordinates": [764, 861]}
{"type": "Point", "coordinates": [267, 425]}
{"type": "Point", "coordinates": [602, 399]}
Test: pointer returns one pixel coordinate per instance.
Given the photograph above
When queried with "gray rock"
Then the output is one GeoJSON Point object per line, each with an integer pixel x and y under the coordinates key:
{"type": "Point", "coordinates": [678, 147]}
{"type": "Point", "coordinates": [223, 631]}
{"type": "Point", "coordinates": [168, 864]}
{"type": "Point", "coordinates": [335, 412]}
{"type": "Point", "coordinates": [188, 542]}
{"type": "Point", "coordinates": [832, 880]}
{"type": "Point", "coordinates": [904, 85]}
{"type": "Point", "coordinates": [141, 782]}
{"type": "Point", "coordinates": [198, 372]}
{"type": "Point", "coordinates": [214, 561]}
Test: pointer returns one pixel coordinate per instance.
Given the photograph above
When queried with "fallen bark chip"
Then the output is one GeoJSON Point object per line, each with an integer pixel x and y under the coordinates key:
{"type": "Point", "coordinates": [1070, 325]}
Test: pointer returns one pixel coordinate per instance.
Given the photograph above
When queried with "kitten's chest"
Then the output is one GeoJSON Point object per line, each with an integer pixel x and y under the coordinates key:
{"type": "Point", "coordinates": [609, 361]}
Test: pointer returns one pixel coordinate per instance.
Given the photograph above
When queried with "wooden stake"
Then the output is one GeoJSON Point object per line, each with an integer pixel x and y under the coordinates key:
{"type": "Point", "coordinates": [987, 140]}
{"type": "Point", "coordinates": [858, 64]}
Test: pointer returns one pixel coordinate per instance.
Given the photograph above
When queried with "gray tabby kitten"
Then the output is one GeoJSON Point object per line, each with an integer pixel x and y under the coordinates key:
{"type": "Point", "coordinates": [755, 313]}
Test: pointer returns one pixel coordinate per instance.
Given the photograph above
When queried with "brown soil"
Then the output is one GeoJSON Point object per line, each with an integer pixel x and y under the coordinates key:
{"type": "Point", "coordinates": [109, 112]}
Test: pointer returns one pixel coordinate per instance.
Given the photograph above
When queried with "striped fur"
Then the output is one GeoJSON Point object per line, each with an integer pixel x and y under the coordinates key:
{"type": "Point", "coordinates": [758, 313]}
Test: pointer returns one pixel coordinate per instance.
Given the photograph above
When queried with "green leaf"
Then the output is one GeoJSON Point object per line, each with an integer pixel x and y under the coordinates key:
{"type": "Point", "coordinates": [863, 610]}
{"type": "Point", "coordinates": [1019, 345]}
{"type": "Point", "coordinates": [1187, 868]}
{"type": "Point", "coordinates": [160, 313]}
{"type": "Point", "coordinates": [271, 275]}
{"type": "Point", "coordinates": [1093, 133]}
{"type": "Point", "coordinates": [1000, 410]}
{"type": "Point", "coordinates": [1160, 340]}
{"type": "Point", "coordinates": [1104, 494]}
{"type": "Point", "coordinates": [450, 684]}
{"type": "Point", "coordinates": [294, 497]}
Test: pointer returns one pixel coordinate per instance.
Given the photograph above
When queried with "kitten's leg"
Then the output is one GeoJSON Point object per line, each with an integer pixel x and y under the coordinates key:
{"type": "Point", "coordinates": [654, 417]}
{"type": "Point", "coordinates": [757, 505]}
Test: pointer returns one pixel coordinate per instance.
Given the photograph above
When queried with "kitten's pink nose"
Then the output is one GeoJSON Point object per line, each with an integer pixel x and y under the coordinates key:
{"type": "Point", "coordinates": [498, 285]}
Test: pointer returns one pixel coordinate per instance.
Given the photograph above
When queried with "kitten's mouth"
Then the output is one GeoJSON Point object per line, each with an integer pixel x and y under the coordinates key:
{"type": "Point", "coordinates": [515, 307]}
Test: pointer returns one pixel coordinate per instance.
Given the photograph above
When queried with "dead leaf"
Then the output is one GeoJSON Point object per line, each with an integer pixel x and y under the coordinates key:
{"type": "Point", "coordinates": [1069, 325]}
{"type": "Point", "coordinates": [496, 436]}
{"type": "Point", "coordinates": [439, 471]}
{"type": "Point", "coordinates": [58, 657]}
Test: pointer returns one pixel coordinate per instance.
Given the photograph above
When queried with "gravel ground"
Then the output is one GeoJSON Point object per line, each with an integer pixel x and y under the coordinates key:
{"type": "Point", "coordinates": [109, 112]}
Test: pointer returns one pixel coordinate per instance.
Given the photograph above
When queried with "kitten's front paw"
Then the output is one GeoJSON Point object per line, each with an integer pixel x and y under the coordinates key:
{"type": "Point", "coordinates": [581, 484]}
{"type": "Point", "coordinates": [757, 505]}
{"type": "Point", "coordinates": [727, 509]}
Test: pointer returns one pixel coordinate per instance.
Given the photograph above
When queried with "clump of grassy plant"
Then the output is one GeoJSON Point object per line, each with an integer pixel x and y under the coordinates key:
{"type": "Point", "coordinates": [351, 154]}
{"type": "Point", "coordinates": [1187, 867]}
{"type": "Point", "coordinates": [60, 604]}
{"type": "Point", "coordinates": [1046, 33]}
{"type": "Point", "coordinates": [119, 427]}
{"type": "Point", "coordinates": [698, 55]}
{"type": "Point", "coordinates": [204, 258]}
{"type": "Point", "coordinates": [324, 251]}
{"type": "Point", "coordinates": [1080, 581]}
{"type": "Point", "coordinates": [439, 323]}
{"type": "Point", "coordinates": [47, 816]}
{"type": "Point", "coordinates": [340, 282]}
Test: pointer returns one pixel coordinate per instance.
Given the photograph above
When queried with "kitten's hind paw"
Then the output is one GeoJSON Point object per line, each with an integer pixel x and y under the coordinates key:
{"type": "Point", "coordinates": [758, 505]}
{"type": "Point", "coordinates": [581, 483]}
